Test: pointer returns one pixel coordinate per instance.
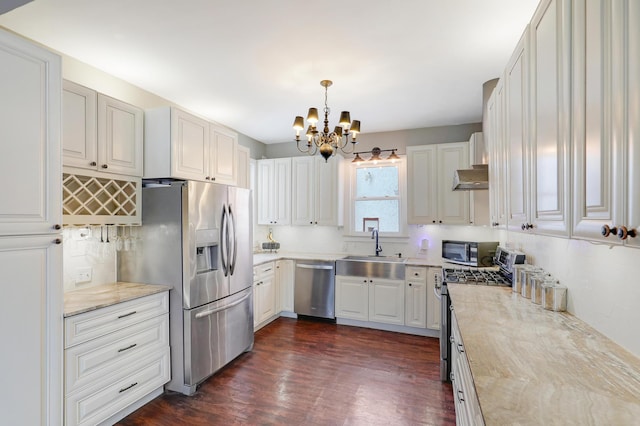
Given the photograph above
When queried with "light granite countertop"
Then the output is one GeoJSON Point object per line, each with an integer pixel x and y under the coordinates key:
{"type": "Point", "coordinates": [531, 366]}
{"type": "Point", "coordinates": [100, 296]}
{"type": "Point", "coordinates": [259, 258]}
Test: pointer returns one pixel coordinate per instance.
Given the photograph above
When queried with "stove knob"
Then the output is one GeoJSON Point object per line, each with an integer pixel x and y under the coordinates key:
{"type": "Point", "coordinates": [624, 233]}
{"type": "Point", "coordinates": [606, 230]}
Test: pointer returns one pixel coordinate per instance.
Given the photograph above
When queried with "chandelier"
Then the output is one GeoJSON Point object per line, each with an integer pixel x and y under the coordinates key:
{"type": "Point", "coordinates": [328, 143]}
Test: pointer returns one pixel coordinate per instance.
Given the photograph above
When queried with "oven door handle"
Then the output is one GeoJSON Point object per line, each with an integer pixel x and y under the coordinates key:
{"type": "Point", "coordinates": [437, 287]}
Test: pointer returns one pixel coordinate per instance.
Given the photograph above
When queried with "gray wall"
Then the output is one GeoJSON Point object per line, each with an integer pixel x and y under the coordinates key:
{"type": "Point", "coordinates": [257, 148]}
{"type": "Point", "coordinates": [397, 139]}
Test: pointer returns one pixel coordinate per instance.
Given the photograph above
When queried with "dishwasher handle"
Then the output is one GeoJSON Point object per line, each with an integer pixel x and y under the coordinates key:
{"type": "Point", "coordinates": [308, 266]}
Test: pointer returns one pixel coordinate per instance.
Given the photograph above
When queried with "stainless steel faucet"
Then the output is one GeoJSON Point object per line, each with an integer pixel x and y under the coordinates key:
{"type": "Point", "coordinates": [374, 234]}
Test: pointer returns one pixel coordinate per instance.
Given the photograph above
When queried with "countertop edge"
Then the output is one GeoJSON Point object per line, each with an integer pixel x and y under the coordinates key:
{"type": "Point", "coordinates": [261, 258]}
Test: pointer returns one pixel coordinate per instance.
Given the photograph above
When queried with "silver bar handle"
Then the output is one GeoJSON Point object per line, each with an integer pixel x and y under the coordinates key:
{"type": "Point", "coordinates": [235, 241]}
{"type": "Point", "coordinates": [223, 241]}
{"type": "Point", "coordinates": [306, 266]}
{"type": "Point", "coordinates": [127, 315]}
{"type": "Point", "coordinates": [222, 308]}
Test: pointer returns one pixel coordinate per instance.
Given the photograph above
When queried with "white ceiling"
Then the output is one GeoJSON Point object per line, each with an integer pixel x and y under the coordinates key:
{"type": "Point", "coordinates": [254, 65]}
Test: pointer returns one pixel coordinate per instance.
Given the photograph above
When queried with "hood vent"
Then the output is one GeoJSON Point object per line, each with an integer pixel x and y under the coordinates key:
{"type": "Point", "coordinates": [471, 179]}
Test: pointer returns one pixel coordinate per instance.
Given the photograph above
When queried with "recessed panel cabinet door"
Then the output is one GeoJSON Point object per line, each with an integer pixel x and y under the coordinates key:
{"type": "Point", "coordinates": [422, 188]}
{"type": "Point", "coordinates": [223, 156]}
{"type": "Point", "coordinates": [30, 127]}
{"type": "Point", "coordinates": [79, 137]}
{"type": "Point", "coordinates": [632, 90]}
{"type": "Point", "coordinates": [550, 121]}
{"type": "Point", "coordinates": [120, 133]}
{"type": "Point", "coordinates": [453, 206]}
{"type": "Point", "coordinates": [190, 146]}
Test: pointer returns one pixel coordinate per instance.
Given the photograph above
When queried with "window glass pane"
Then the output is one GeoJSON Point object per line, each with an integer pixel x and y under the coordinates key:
{"type": "Point", "coordinates": [377, 181]}
{"type": "Point", "coordinates": [382, 212]}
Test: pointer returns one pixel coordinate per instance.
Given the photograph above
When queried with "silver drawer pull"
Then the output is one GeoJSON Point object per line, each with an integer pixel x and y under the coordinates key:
{"type": "Point", "coordinates": [128, 387]}
{"type": "Point", "coordinates": [127, 315]}
{"type": "Point", "coordinates": [267, 270]}
{"type": "Point", "coordinates": [128, 347]}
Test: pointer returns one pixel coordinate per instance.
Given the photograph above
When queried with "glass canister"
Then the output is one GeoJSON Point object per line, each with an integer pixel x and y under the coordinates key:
{"type": "Point", "coordinates": [554, 296]}
{"type": "Point", "coordinates": [537, 281]}
{"type": "Point", "coordinates": [526, 284]}
{"type": "Point", "coordinates": [518, 276]}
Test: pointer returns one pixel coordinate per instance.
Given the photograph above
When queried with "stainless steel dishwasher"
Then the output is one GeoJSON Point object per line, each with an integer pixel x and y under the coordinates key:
{"type": "Point", "coordinates": [315, 288]}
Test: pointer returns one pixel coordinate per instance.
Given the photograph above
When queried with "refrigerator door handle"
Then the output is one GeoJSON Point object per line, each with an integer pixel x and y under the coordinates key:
{"type": "Point", "coordinates": [224, 241]}
{"type": "Point", "coordinates": [232, 260]}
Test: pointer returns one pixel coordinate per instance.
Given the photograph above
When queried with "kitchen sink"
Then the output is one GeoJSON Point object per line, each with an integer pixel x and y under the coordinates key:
{"type": "Point", "coordinates": [389, 267]}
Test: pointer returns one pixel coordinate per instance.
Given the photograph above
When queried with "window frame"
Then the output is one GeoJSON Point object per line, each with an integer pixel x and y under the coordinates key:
{"type": "Point", "coordinates": [353, 229]}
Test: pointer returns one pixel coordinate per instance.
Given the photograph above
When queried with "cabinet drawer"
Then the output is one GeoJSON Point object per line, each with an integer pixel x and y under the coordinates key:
{"type": "Point", "coordinates": [83, 327]}
{"type": "Point", "coordinates": [98, 358]}
{"type": "Point", "coordinates": [264, 270]}
{"type": "Point", "coordinates": [94, 404]}
{"type": "Point", "coordinates": [416, 273]}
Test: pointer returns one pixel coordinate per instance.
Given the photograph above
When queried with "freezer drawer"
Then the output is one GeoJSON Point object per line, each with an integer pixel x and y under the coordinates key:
{"type": "Point", "coordinates": [215, 334]}
{"type": "Point", "coordinates": [314, 289]}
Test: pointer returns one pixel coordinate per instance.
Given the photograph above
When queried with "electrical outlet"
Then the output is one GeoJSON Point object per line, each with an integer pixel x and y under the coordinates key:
{"type": "Point", "coordinates": [83, 275]}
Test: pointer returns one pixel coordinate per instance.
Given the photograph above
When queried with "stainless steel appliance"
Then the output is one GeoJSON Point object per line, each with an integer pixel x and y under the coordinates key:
{"type": "Point", "coordinates": [314, 288]}
{"type": "Point", "coordinates": [469, 253]}
{"type": "Point", "coordinates": [197, 238]}
{"type": "Point", "coordinates": [501, 275]}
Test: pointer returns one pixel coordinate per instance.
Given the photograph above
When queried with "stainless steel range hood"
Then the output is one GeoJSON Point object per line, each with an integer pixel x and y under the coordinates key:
{"type": "Point", "coordinates": [471, 179]}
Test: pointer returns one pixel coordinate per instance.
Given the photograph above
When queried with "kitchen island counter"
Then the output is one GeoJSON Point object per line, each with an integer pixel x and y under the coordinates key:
{"type": "Point", "coordinates": [100, 296]}
{"type": "Point", "coordinates": [534, 366]}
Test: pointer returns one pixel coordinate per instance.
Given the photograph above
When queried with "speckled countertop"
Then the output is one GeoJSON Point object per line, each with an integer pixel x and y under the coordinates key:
{"type": "Point", "coordinates": [531, 366]}
{"type": "Point", "coordinates": [100, 296]}
{"type": "Point", "coordinates": [259, 258]}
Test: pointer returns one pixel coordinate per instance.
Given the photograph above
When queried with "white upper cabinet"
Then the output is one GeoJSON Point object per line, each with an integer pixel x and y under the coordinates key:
{"type": "Point", "coordinates": [100, 132]}
{"type": "Point", "coordinates": [244, 169]}
{"type": "Point", "coordinates": [517, 137]}
{"type": "Point", "coordinates": [549, 117]}
{"type": "Point", "coordinates": [314, 191]}
{"type": "Point", "coordinates": [223, 155]}
{"type": "Point", "coordinates": [183, 146]}
{"type": "Point", "coordinates": [273, 183]}
{"type": "Point", "coordinates": [30, 88]}
{"type": "Point", "coordinates": [606, 120]}
{"type": "Point", "coordinates": [430, 180]}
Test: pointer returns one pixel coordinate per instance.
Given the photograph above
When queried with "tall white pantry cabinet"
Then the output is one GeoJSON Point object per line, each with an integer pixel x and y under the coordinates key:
{"type": "Point", "coordinates": [31, 320]}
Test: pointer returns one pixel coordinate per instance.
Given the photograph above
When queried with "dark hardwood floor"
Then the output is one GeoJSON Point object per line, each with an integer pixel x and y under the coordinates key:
{"type": "Point", "coordinates": [308, 372]}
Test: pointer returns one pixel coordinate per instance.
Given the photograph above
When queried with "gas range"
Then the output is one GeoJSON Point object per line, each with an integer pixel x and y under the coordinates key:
{"type": "Point", "coordinates": [478, 276]}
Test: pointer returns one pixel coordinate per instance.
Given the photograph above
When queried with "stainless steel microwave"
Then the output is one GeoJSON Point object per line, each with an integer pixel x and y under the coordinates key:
{"type": "Point", "coordinates": [469, 253]}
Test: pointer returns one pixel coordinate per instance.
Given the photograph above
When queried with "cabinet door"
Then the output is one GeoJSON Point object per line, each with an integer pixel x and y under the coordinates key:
{"type": "Point", "coordinates": [285, 277]}
{"type": "Point", "coordinates": [434, 282]}
{"type": "Point", "coordinates": [223, 156]}
{"type": "Point", "coordinates": [30, 121]}
{"type": "Point", "coordinates": [352, 298]}
{"type": "Point", "coordinates": [244, 175]}
{"type": "Point", "coordinates": [453, 206]}
{"type": "Point", "coordinates": [421, 184]}
{"type": "Point", "coordinates": [31, 330]}
{"type": "Point", "coordinates": [265, 192]}
{"type": "Point", "coordinates": [266, 298]}
{"type": "Point", "coordinates": [303, 190]}
{"type": "Point", "coordinates": [189, 146]}
{"type": "Point", "coordinates": [120, 137]}
{"type": "Point", "coordinates": [79, 121]}
{"type": "Point", "coordinates": [326, 191]}
{"type": "Point", "coordinates": [632, 89]}
{"type": "Point", "coordinates": [282, 191]}
{"type": "Point", "coordinates": [497, 157]}
{"type": "Point", "coordinates": [517, 137]}
{"type": "Point", "coordinates": [597, 183]}
{"type": "Point", "coordinates": [416, 304]}
{"type": "Point", "coordinates": [386, 301]}
{"type": "Point", "coordinates": [550, 124]}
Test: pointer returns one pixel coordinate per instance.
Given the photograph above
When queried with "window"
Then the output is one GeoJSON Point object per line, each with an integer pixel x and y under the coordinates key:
{"type": "Point", "coordinates": [376, 200]}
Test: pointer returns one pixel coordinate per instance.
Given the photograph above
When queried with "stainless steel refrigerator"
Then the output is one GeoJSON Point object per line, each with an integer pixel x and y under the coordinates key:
{"type": "Point", "coordinates": [196, 237]}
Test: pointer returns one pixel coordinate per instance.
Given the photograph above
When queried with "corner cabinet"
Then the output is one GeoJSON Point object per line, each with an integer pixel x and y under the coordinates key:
{"type": "Point", "coordinates": [181, 145]}
{"type": "Point", "coordinates": [430, 172]}
{"type": "Point", "coordinates": [31, 308]}
{"type": "Point", "coordinates": [101, 133]}
{"type": "Point", "coordinates": [274, 191]}
{"type": "Point", "coordinates": [314, 191]}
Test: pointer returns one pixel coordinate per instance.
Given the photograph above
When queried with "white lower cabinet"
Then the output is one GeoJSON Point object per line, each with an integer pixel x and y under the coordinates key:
{"type": "Point", "coordinates": [114, 357]}
{"type": "Point", "coordinates": [370, 299]}
{"type": "Point", "coordinates": [265, 297]}
{"type": "Point", "coordinates": [416, 297]}
{"type": "Point", "coordinates": [284, 283]}
{"type": "Point", "coordinates": [465, 397]}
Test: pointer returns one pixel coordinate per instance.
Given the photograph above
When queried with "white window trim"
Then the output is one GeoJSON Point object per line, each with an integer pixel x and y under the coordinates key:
{"type": "Point", "coordinates": [350, 229]}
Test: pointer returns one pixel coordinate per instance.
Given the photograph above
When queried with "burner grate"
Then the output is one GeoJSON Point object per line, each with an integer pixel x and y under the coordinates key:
{"type": "Point", "coordinates": [475, 276]}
